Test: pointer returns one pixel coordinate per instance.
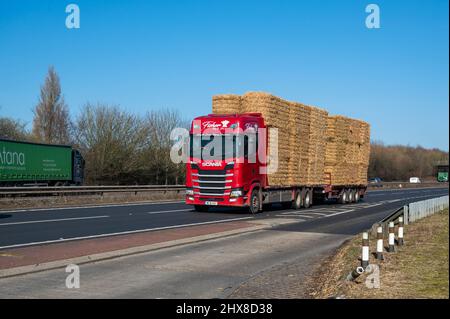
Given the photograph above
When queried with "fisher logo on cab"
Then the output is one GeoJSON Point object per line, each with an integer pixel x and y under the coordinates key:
{"type": "Point", "coordinates": [212, 124]}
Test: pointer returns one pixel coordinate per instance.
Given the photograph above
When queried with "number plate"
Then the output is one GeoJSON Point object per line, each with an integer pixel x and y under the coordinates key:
{"type": "Point", "coordinates": [211, 203]}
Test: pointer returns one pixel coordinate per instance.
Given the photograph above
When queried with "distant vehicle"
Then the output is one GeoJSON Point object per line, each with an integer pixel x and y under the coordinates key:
{"type": "Point", "coordinates": [442, 173]}
{"type": "Point", "coordinates": [25, 163]}
{"type": "Point", "coordinates": [375, 182]}
{"type": "Point", "coordinates": [414, 180]}
{"type": "Point", "coordinates": [442, 177]}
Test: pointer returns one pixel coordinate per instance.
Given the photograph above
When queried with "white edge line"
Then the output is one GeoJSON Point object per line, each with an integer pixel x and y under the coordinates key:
{"type": "Point", "coordinates": [168, 211]}
{"type": "Point", "coordinates": [122, 233]}
{"type": "Point", "coordinates": [52, 220]}
{"type": "Point", "coordinates": [86, 207]}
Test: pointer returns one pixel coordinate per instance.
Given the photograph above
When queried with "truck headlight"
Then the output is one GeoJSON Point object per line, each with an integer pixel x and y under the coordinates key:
{"type": "Point", "coordinates": [189, 191]}
{"type": "Point", "coordinates": [236, 193]}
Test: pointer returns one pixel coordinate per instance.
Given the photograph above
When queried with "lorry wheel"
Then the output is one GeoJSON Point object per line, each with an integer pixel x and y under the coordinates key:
{"type": "Point", "coordinates": [351, 196]}
{"type": "Point", "coordinates": [201, 208]}
{"type": "Point", "coordinates": [343, 197]}
{"type": "Point", "coordinates": [254, 202]}
{"type": "Point", "coordinates": [307, 202]}
{"type": "Point", "coordinates": [297, 202]}
{"type": "Point", "coordinates": [357, 198]}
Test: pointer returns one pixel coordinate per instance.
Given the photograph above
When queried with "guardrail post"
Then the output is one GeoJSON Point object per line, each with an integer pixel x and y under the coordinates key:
{"type": "Point", "coordinates": [391, 237]}
{"type": "Point", "coordinates": [400, 231]}
{"type": "Point", "coordinates": [406, 214]}
{"type": "Point", "coordinates": [380, 246]}
{"type": "Point", "coordinates": [365, 250]}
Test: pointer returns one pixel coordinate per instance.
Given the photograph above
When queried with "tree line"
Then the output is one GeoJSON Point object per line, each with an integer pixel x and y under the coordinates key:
{"type": "Point", "coordinates": [399, 162]}
{"type": "Point", "coordinates": [123, 148]}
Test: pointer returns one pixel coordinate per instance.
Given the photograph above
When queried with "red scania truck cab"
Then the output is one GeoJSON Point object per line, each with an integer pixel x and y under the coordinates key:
{"type": "Point", "coordinates": [227, 167]}
{"type": "Point", "coordinates": [225, 176]}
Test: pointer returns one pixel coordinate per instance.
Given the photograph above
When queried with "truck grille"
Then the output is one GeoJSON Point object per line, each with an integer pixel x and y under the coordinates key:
{"type": "Point", "coordinates": [211, 182]}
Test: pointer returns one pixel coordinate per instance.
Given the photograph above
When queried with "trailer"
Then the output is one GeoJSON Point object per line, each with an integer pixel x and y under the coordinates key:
{"type": "Point", "coordinates": [228, 164]}
{"type": "Point", "coordinates": [25, 163]}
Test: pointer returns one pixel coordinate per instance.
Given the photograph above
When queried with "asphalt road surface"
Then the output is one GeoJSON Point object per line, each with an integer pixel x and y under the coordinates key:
{"type": "Point", "coordinates": [210, 269]}
{"type": "Point", "coordinates": [19, 228]}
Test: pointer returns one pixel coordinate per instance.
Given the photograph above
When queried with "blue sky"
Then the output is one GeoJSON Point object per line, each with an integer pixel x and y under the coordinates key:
{"type": "Point", "coordinates": [145, 55]}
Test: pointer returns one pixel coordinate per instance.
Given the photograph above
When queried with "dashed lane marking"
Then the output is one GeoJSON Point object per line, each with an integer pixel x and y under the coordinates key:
{"type": "Point", "coordinates": [52, 220]}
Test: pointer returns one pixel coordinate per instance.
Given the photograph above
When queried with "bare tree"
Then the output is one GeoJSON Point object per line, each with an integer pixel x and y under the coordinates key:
{"type": "Point", "coordinates": [12, 129]}
{"type": "Point", "coordinates": [160, 124]}
{"type": "Point", "coordinates": [111, 140]}
{"type": "Point", "coordinates": [51, 123]}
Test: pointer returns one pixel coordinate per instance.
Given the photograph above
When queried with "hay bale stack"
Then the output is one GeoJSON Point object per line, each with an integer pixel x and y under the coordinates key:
{"type": "Point", "coordinates": [347, 151]}
{"type": "Point", "coordinates": [227, 104]}
{"type": "Point", "coordinates": [313, 148]}
{"type": "Point", "coordinates": [276, 114]}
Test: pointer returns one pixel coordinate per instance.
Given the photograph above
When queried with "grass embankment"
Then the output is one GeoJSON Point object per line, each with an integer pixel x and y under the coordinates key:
{"type": "Point", "coordinates": [419, 269]}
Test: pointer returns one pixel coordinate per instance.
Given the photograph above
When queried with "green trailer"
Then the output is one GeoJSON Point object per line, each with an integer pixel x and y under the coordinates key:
{"type": "Point", "coordinates": [24, 163]}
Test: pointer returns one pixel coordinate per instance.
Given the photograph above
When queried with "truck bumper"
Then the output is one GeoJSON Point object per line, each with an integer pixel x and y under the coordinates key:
{"type": "Point", "coordinates": [225, 201]}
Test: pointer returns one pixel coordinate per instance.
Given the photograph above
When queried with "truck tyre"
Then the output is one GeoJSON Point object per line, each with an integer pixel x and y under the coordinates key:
{"type": "Point", "coordinates": [351, 195]}
{"type": "Point", "coordinates": [297, 202]}
{"type": "Point", "coordinates": [357, 197]}
{"type": "Point", "coordinates": [307, 202]}
{"type": "Point", "coordinates": [201, 208]}
{"type": "Point", "coordinates": [254, 202]}
{"type": "Point", "coordinates": [343, 198]}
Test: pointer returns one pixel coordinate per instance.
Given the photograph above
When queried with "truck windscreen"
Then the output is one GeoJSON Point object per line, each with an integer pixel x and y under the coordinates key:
{"type": "Point", "coordinates": [221, 147]}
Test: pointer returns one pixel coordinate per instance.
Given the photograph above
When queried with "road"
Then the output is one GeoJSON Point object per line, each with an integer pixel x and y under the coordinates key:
{"type": "Point", "coordinates": [205, 270]}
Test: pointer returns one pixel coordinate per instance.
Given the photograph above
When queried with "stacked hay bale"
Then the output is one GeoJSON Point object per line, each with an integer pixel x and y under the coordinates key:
{"type": "Point", "coordinates": [347, 151]}
{"type": "Point", "coordinates": [229, 103]}
{"type": "Point", "coordinates": [276, 114]}
{"type": "Point", "coordinates": [301, 128]}
{"type": "Point", "coordinates": [307, 146]}
{"type": "Point", "coordinates": [313, 148]}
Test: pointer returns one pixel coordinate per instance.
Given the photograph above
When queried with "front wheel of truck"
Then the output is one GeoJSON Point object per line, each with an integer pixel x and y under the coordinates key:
{"type": "Point", "coordinates": [254, 202]}
{"type": "Point", "coordinates": [201, 208]}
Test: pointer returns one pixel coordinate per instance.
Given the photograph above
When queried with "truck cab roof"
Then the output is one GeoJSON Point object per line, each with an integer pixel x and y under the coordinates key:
{"type": "Point", "coordinates": [226, 123]}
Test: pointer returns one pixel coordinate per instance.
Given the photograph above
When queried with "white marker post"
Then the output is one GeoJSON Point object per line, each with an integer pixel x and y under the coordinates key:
{"type": "Point", "coordinates": [391, 237]}
{"type": "Point", "coordinates": [365, 250]}
{"type": "Point", "coordinates": [380, 246]}
{"type": "Point", "coordinates": [400, 231]}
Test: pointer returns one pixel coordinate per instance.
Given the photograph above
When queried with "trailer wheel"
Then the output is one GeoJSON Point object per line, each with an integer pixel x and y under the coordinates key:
{"type": "Point", "coordinates": [254, 202]}
{"type": "Point", "coordinates": [351, 196]}
{"type": "Point", "coordinates": [297, 202]}
{"type": "Point", "coordinates": [201, 208]}
{"type": "Point", "coordinates": [307, 201]}
{"type": "Point", "coordinates": [344, 197]}
{"type": "Point", "coordinates": [357, 197]}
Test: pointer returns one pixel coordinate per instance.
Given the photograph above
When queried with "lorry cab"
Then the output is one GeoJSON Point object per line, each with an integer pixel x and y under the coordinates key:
{"type": "Point", "coordinates": [78, 164]}
{"type": "Point", "coordinates": [224, 163]}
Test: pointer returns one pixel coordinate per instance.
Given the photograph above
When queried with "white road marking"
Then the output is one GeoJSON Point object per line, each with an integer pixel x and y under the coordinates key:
{"type": "Point", "coordinates": [169, 211]}
{"type": "Point", "coordinates": [343, 212]}
{"type": "Point", "coordinates": [87, 207]}
{"type": "Point", "coordinates": [320, 214]}
{"type": "Point", "coordinates": [122, 233]}
{"type": "Point", "coordinates": [52, 220]}
{"type": "Point", "coordinates": [299, 215]}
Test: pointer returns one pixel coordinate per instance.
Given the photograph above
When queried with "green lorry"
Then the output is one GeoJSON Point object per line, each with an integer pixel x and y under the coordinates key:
{"type": "Point", "coordinates": [23, 163]}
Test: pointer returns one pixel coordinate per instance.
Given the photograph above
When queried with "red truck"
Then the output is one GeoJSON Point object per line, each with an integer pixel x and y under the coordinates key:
{"type": "Point", "coordinates": [230, 179]}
